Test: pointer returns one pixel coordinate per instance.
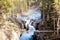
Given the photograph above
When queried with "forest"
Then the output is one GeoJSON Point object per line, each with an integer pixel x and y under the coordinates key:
{"type": "Point", "coordinates": [11, 27]}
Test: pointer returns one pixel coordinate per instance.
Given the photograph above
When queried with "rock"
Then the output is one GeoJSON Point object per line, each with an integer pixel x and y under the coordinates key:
{"type": "Point", "coordinates": [2, 35]}
{"type": "Point", "coordinates": [9, 31]}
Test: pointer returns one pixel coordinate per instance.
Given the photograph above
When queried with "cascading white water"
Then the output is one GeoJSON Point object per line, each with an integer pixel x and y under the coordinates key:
{"type": "Point", "coordinates": [27, 35]}
{"type": "Point", "coordinates": [34, 15]}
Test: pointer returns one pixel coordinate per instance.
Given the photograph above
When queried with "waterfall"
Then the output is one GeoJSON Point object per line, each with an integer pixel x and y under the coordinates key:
{"type": "Point", "coordinates": [27, 35]}
{"type": "Point", "coordinates": [35, 16]}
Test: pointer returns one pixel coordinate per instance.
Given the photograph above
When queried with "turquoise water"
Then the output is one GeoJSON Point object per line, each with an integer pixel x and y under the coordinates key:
{"type": "Point", "coordinates": [26, 36]}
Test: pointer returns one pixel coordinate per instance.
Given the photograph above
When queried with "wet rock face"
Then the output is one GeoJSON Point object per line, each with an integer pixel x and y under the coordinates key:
{"type": "Point", "coordinates": [36, 36]}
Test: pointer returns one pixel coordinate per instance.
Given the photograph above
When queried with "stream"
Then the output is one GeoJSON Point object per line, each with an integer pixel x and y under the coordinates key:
{"type": "Point", "coordinates": [35, 16]}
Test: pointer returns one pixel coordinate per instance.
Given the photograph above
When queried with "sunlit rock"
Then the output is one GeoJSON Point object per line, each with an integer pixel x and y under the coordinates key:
{"type": "Point", "coordinates": [9, 31]}
{"type": "Point", "coordinates": [2, 35]}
